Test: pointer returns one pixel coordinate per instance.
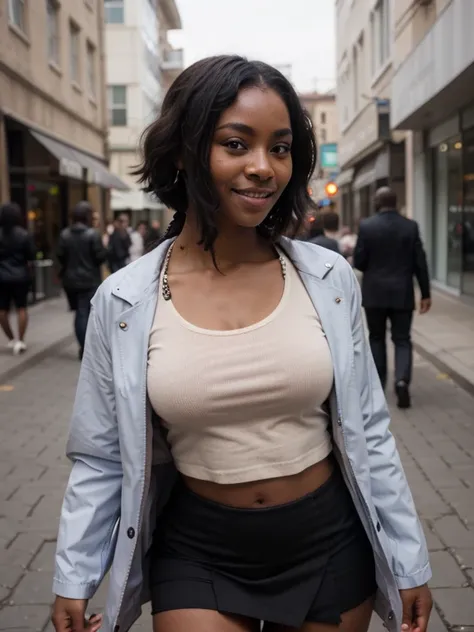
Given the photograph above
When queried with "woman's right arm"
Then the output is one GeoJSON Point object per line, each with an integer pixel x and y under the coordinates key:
{"type": "Point", "coordinates": [91, 506]}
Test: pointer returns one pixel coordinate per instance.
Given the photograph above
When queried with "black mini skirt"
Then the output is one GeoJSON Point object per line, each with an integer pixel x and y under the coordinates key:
{"type": "Point", "coordinates": [307, 560]}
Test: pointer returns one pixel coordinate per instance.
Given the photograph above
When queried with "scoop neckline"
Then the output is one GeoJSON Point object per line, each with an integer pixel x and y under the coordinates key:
{"type": "Point", "coordinates": [241, 330]}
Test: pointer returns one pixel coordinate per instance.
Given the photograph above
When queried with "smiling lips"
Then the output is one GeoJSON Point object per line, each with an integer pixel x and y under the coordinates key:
{"type": "Point", "coordinates": [256, 194]}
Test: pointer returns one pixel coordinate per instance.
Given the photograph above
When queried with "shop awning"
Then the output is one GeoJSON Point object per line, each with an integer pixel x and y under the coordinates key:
{"type": "Point", "coordinates": [69, 165]}
{"type": "Point", "coordinates": [97, 173]}
{"type": "Point", "coordinates": [345, 177]}
{"type": "Point", "coordinates": [72, 163]}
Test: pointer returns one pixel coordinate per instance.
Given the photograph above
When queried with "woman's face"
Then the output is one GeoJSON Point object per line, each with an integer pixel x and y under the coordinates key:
{"type": "Point", "coordinates": [251, 156]}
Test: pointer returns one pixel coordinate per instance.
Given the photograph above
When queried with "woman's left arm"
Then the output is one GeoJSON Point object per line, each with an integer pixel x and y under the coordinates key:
{"type": "Point", "coordinates": [390, 491]}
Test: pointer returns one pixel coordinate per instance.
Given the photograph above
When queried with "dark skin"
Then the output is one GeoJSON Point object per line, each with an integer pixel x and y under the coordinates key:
{"type": "Point", "coordinates": [251, 150]}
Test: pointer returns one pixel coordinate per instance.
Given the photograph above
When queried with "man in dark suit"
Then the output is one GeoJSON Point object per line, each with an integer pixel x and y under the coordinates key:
{"type": "Point", "coordinates": [390, 253]}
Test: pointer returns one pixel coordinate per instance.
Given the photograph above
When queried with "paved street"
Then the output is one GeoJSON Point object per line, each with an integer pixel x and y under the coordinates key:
{"type": "Point", "coordinates": [436, 440]}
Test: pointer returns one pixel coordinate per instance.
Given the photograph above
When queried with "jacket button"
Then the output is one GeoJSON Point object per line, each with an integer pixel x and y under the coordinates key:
{"type": "Point", "coordinates": [338, 299]}
{"type": "Point", "coordinates": [131, 533]}
{"type": "Point", "coordinates": [123, 325]}
{"type": "Point", "coordinates": [391, 615]}
{"type": "Point", "coordinates": [378, 527]}
{"type": "Point", "coordinates": [328, 265]}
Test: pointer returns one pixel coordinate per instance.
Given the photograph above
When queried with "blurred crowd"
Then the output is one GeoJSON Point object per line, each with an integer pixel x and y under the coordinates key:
{"type": "Point", "coordinates": [325, 230]}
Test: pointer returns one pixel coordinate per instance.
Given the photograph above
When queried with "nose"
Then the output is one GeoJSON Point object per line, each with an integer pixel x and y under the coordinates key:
{"type": "Point", "coordinates": [259, 165]}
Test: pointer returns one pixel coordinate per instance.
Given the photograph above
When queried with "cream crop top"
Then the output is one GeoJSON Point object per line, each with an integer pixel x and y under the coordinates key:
{"type": "Point", "coordinates": [244, 404]}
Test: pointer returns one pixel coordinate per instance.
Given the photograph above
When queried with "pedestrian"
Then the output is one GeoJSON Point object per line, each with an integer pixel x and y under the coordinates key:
{"type": "Point", "coordinates": [347, 243]}
{"type": "Point", "coordinates": [153, 235]}
{"type": "Point", "coordinates": [138, 237]}
{"type": "Point", "coordinates": [232, 457]}
{"type": "Point", "coordinates": [390, 253]}
{"type": "Point", "coordinates": [17, 254]}
{"type": "Point", "coordinates": [331, 225]}
{"type": "Point", "coordinates": [81, 254]}
{"type": "Point", "coordinates": [119, 244]}
{"type": "Point", "coordinates": [318, 236]}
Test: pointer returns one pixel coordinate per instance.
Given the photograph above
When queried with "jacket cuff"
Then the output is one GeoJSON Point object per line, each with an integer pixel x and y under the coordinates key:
{"type": "Point", "coordinates": [74, 591]}
{"type": "Point", "coordinates": [414, 581]}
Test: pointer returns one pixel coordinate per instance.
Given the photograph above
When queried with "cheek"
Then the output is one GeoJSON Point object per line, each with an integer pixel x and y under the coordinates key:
{"type": "Point", "coordinates": [284, 172]}
{"type": "Point", "coordinates": [222, 167]}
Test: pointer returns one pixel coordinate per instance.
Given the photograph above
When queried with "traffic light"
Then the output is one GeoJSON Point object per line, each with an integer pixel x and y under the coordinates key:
{"type": "Point", "coordinates": [331, 189]}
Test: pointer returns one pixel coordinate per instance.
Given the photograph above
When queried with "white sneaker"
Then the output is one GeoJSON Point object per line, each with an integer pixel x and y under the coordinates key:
{"type": "Point", "coordinates": [19, 347]}
{"type": "Point", "coordinates": [11, 344]}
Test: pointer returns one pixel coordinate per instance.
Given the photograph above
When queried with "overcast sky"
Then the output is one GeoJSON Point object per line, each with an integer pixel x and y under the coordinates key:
{"type": "Point", "coordinates": [297, 32]}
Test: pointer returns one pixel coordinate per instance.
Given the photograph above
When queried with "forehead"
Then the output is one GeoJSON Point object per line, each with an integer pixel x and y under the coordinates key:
{"type": "Point", "coordinates": [259, 107]}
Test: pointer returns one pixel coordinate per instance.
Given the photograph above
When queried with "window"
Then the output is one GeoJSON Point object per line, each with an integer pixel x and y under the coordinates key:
{"type": "Point", "coordinates": [53, 31]}
{"type": "Point", "coordinates": [114, 12]}
{"type": "Point", "coordinates": [74, 33]}
{"type": "Point", "coordinates": [380, 35]}
{"type": "Point", "coordinates": [323, 118]}
{"type": "Point", "coordinates": [91, 77]}
{"type": "Point", "coordinates": [117, 103]}
{"type": "Point", "coordinates": [355, 79]}
{"type": "Point", "coordinates": [16, 13]}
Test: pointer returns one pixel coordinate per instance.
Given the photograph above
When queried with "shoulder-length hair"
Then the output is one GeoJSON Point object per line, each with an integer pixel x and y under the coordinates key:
{"type": "Point", "coordinates": [184, 133]}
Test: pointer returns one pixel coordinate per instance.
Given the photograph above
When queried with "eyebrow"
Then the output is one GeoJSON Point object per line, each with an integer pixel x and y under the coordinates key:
{"type": "Point", "coordinates": [246, 129]}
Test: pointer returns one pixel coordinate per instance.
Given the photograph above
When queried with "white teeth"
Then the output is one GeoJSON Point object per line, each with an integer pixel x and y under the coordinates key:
{"type": "Point", "coordinates": [254, 195]}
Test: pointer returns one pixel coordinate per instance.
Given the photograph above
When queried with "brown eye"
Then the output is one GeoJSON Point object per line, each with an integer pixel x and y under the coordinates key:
{"type": "Point", "coordinates": [282, 150]}
{"type": "Point", "coordinates": [234, 145]}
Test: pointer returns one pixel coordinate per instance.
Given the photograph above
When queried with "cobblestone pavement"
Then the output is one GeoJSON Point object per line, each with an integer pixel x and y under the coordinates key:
{"type": "Point", "coordinates": [436, 441]}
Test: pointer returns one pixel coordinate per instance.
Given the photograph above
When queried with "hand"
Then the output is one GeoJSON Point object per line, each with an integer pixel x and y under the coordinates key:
{"type": "Point", "coordinates": [417, 604]}
{"type": "Point", "coordinates": [69, 616]}
{"type": "Point", "coordinates": [425, 305]}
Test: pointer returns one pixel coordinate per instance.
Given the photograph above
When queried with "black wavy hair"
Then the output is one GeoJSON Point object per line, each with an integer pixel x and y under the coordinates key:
{"type": "Point", "coordinates": [184, 133]}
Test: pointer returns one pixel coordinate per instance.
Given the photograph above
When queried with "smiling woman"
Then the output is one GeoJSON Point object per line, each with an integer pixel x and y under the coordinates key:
{"type": "Point", "coordinates": [199, 127]}
{"type": "Point", "coordinates": [228, 410]}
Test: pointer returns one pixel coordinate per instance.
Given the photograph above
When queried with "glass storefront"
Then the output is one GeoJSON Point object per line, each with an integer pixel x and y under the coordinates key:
{"type": "Point", "coordinates": [468, 215]}
{"type": "Point", "coordinates": [447, 216]}
{"type": "Point", "coordinates": [453, 213]}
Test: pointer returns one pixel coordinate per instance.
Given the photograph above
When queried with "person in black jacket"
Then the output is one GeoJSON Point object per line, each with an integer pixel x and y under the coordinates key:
{"type": "Point", "coordinates": [119, 244]}
{"type": "Point", "coordinates": [390, 253]}
{"type": "Point", "coordinates": [318, 236]}
{"type": "Point", "coordinates": [17, 253]}
{"type": "Point", "coordinates": [81, 254]}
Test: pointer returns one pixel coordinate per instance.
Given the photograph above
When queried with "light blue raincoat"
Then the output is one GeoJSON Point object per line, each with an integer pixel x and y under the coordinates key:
{"type": "Point", "coordinates": [123, 471]}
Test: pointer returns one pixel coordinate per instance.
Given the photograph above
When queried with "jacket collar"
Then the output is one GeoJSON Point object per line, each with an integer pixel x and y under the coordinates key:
{"type": "Point", "coordinates": [134, 283]}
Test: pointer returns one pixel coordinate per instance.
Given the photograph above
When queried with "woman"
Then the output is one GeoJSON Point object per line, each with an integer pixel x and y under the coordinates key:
{"type": "Point", "coordinates": [232, 457]}
{"type": "Point", "coordinates": [16, 256]}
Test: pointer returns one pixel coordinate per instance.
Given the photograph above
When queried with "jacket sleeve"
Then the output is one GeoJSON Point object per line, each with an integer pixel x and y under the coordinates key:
{"type": "Point", "coordinates": [61, 252]}
{"type": "Point", "coordinates": [361, 255]}
{"type": "Point", "coordinates": [391, 495]}
{"type": "Point", "coordinates": [91, 506]}
{"type": "Point", "coordinates": [98, 249]}
{"type": "Point", "coordinates": [421, 266]}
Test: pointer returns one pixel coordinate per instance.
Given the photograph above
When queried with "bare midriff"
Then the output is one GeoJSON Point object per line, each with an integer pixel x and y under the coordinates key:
{"type": "Point", "coordinates": [266, 493]}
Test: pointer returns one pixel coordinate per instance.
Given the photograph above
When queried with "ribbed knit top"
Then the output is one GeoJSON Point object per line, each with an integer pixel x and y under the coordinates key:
{"type": "Point", "coordinates": [244, 404]}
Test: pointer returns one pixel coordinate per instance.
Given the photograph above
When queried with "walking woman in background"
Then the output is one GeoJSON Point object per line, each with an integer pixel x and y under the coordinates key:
{"type": "Point", "coordinates": [230, 437]}
{"type": "Point", "coordinates": [16, 256]}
